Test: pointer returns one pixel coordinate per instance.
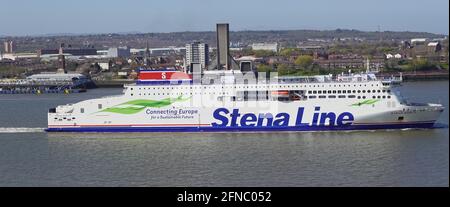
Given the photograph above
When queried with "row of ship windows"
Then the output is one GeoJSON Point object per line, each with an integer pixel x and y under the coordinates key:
{"type": "Point", "coordinates": [256, 98]}
{"type": "Point", "coordinates": [309, 92]}
{"type": "Point", "coordinates": [346, 91]}
{"type": "Point", "coordinates": [349, 96]}
{"type": "Point", "coordinates": [163, 94]}
{"type": "Point", "coordinates": [66, 118]}
{"type": "Point", "coordinates": [242, 87]}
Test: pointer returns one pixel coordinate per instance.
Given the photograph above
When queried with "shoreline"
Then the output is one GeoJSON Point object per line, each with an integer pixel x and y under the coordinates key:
{"type": "Point", "coordinates": [113, 83]}
{"type": "Point", "coordinates": [420, 76]}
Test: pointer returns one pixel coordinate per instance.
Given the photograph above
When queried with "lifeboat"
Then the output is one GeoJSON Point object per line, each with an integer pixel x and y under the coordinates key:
{"type": "Point", "coordinates": [282, 93]}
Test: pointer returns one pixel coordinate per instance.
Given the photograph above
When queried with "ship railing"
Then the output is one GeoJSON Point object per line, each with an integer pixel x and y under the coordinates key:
{"type": "Point", "coordinates": [340, 78]}
{"type": "Point", "coordinates": [392, 78]}
{"type": "Point", "coordinates": [329, 81]}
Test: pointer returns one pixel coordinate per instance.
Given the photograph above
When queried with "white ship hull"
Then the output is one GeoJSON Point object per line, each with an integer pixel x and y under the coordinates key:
{"type": "Point", "coordinates": [199, 108]}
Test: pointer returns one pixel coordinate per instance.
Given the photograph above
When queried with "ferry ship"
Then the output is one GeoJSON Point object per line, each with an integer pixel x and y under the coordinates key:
{"type": "Point", "coordinates": [173, 101]}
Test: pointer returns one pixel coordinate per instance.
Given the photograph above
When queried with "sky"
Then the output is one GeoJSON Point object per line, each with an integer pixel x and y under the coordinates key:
{"type": "Point", "coordinates": [40, 17]}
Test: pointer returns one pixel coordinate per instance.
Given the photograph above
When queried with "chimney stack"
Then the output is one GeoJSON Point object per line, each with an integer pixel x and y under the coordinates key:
{"type": "Point", "coordinates": [223, 41]}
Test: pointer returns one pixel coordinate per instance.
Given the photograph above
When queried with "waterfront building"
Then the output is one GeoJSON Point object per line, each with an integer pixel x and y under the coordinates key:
{"type": "Point", "coordinates": [18, 56]}
{"type": "Point", "coordinates": [104, 65]}
{"type": "Point", "coordinates": [56, 77]}
{"type": "Point", "coordinates": [9, 46]}
{"type": "Point", "coordinates": [423, 48]}
{"type": "Point", "coordinates": [164, 51]}
{"type": "Point", "coordinates": [102, 53]}
{"type": "Point", "coordinates": [115, 52]}
{"type": "Point", "coordinates": [71, 51]}
{"type": "Point", "coordinates": [350, 63]}
{"type": "Point", "coordinates": [265, 46]}
{"type": "Point", "coordinates": [197, 52]}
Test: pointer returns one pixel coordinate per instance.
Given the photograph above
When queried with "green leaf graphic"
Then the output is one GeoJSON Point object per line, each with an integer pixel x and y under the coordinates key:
{"type": "Point", "coordinates": [135, 106]}
{"type": "Point", "coordinates": [367, 102]}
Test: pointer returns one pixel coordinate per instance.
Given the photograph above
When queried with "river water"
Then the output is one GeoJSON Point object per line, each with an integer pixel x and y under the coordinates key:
{"type": "Point", "coordinates": [31, 157]}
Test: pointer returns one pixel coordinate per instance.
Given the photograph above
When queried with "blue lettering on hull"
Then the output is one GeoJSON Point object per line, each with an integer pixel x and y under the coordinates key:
{"type": "Point", "coordinates": [234, 119]}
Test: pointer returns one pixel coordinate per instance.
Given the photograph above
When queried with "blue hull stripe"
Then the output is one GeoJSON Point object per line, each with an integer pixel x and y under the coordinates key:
{"type": "Point", "coordinates": [237, 129]}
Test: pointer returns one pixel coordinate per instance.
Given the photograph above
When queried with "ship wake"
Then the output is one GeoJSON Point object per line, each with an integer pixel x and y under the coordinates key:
{"type": "Point", "coordinates": [20, 130]}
